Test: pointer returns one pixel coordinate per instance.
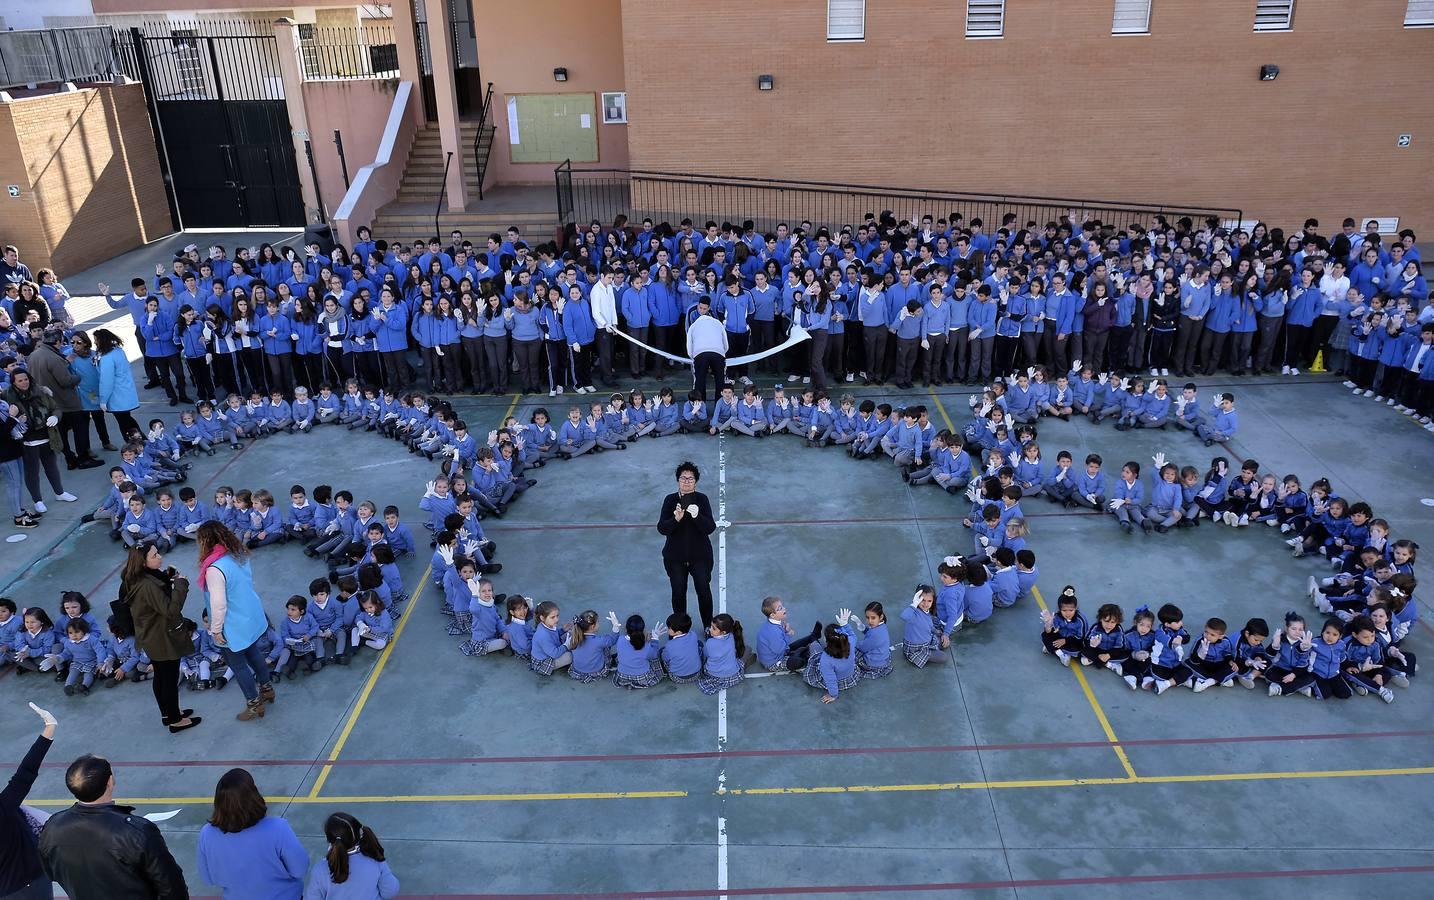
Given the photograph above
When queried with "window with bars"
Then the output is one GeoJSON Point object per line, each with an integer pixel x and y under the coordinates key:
{"type": "Point", "coordinates": [846, 20]}
{"type": "Point", "coordinates": [308, 50]}
{"type": "Point", "coordinates": [188, 64]}
{"type": "Point", "coordinates": [985, 18]}
{"type": "Point", "coordinates": [1420, 14]}
{"type": "Point", "coordinates": [1274, 15]}
{"type": "Point", "coordinates": [1131, 17]}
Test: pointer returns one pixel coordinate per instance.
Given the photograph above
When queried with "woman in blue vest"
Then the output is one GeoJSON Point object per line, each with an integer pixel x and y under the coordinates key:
{"type": "Point", "coordinates": [236, 614]}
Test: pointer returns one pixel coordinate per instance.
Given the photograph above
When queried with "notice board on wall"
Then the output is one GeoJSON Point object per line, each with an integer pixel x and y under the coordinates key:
{"type": "Point", "coordinates": [549, 128]}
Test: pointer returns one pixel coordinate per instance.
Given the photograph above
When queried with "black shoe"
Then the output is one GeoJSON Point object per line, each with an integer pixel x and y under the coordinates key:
{"type": "Point", "coordinates": [193, 722]}
{"type": "Point", "coordinates": [89, 462]}
{"type": "Point", "coordinates": [151, 385]}
{"type": "Point", "coordinates": [26, 521]}
{"type": "Point", "coordinates": [817, 630]}
{"type": "Point", "coordinates": [69, 690]}
{"type": "Point", "coordinates": [173, 401]}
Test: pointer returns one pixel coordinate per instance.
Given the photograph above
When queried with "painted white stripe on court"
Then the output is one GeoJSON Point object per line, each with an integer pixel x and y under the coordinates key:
{"type": "Point", "coordinates": [722, 694]}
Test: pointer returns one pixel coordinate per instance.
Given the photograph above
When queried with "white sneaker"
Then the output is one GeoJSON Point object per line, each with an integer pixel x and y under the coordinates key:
{"type": "Point", "coordinates": [1084, 661]}
{"type": "Point", "coordinates": [1349, 384]}
{"type": "Point", "coordinates": [863, 376]}
{"type": "Point", "coordinates": [1312, 590]}
{"type": "Point", "coordinates": [1154, 372]}
{"type": "Point", "coordinates": [1286, 528]}
{"type": "Point", "coordinates": [560, 390]}
{"type": "Point", "coordinates": [1386, 695]}
{"type": "Point", "coordinates": [1273, 523]}
{"type": "Point", "coordinates": [1357, 390]}
{"type": "Point", "coordinates": [1242, 522]}
{"type": "Point", "coordinates": [1359, 689]}
{"type": "Point", "coordinates": [1400, 407]}
{"type": "Point", "coordinates": [1165, 373]}
{"type": "Point", "coordinates": [40, 506]}
{"type": "Point", "coordinates": [1308, 691]}
{"type": "Point", "coordinates": [1162, 685]}
{"type": "Point", "coordinates": [1369, 393]}
{"type": "Point", "coordinates": [1064, 657]}
{"type": "Point", "coordinates": [1114, 667]}
{"type": "Point", "coordinates": [1294, 371]}
{"type": "Point", "coordinates": [1247, 682]}
{"type": "Point", "coordinates": [806, 379]}
{"type": "Point", "coordinates": [1424, 420]}
{"type": "Point", "coordinates": [849, 378]}
{"type": "Point", "coordinates": [1284, 370]}
{"type": "Point", "coordinates": [1228, 518]}
{"type": "Point", "coordinates": [1275, 690]}
{"type": "Point", "coordinates": [745, 380]}
{"type": "Point", "coordinates": [553, 392]}
{"type": "Point", "coordinates": [1399, 679]}
{"type": "Point", "coordinates": [1202, 684]}
{"type": "Point", "coordinates": [791, 378]}
{"type": "Point", "coordinates": [67, 497]}
{"type": "Point", "coordinates": [1389, 402]}
{"type": "Point", "coordinates": [1130, 680]}
{"type": "Point", "coordinates": [1378, 398]}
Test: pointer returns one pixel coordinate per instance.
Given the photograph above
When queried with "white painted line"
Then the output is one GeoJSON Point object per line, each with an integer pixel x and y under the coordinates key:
{"type": "Point", "coordinates": [722, 695]}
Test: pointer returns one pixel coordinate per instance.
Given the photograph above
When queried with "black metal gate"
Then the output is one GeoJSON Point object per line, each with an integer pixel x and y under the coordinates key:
{"type": "Point", "coordinates": [217, 101]}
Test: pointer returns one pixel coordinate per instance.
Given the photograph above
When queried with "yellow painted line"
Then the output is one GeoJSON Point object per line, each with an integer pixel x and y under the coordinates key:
{"type": "Point", "coordinates": [383, 658]}
{"type": "Point", "coordinates": [1094, 704]}
{"type": "Point", "coordinates": [368, 685]}
{"type": "Point", "coordinates": [941, 408]}
{"type": "Point", "coordinates": [932, 787]}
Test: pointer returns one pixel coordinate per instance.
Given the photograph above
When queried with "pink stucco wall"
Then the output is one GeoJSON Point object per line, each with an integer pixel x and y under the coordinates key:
{"type": "Point", "coordinates": [356, 107]}
{"type": "Point", "coordinates": [519, 45]}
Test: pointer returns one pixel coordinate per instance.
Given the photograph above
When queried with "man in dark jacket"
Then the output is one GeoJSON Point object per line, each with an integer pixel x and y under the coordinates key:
{"type": "Point", "coordinates": [51, 369]}
{"type": "Point", "coordinates": [99, 851]}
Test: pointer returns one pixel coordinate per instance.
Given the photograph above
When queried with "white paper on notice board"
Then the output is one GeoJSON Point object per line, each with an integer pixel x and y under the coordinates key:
{"type": "Point", "coordinates": [585, 120]}
{"type": "Point", "coordinates": [513, 120]}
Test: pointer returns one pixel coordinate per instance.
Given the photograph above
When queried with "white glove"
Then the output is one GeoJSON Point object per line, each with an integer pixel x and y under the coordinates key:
{"type": "Point", "coordinates": [974, 401]}
{"type": "Point", "coordinates": [44, 715]}
{"type": "Point", "coordinates": [1014, 457]}
{"type": "Point", "coordinates": [492, 437]}
{"type": "Point", "coordinates": [612, 619]}
{"type": "Point", "coordinates": [132, 529]}
{"type": "Point", "coordinates": [52, 421]}
{"type": "Point", "coordinates": [438, 351]}
{"type": "Point", "coordinates": [659, 631]}
{"type": "Point", "coordinates": [925, 344]}
{"type": "Point", "coordinates": [843, 616]}
{"type": "Point", "coordinates": [333, 527]}
{"type": "Point", "coordinates": [1202, 648]}
{"type": "Point", "coordinates": [985, 541]}
{"type": "Point", "coordinates": [1091, 498]}
{"type": "Point", "coordinates": [150, 318]}
{"type": "Point", "coordinates": [577, 348]}
{"type": "Point", "coordinates": [975, 333]}
{"type": "Point", "coordinates": [903, 314]}
{"type": "Point", "coordinates": [1061, 474]}
{"type": "Point", "coordinates": [692, 509]}
{"type": "Point", "coordinates": [610, 329]}
{"type": "Point", "coordinates": [473, 585]}
{"type": "Point", "coordinates": [1117, 503]}
{"type": "Point", "coordinates": [428, 490]}
{"type": "Point", "coordinates": [1103, 378]}
{"type": "Point", "coordinates": [1368, 665]}
{"type": "Point", "coordinates": [1207, 492]}
{"type": "Point", "coordinates": [1047, 618]}
{"type": "Point", "coordinates": [1094, 639]}
{"type": "Point", "coordinates": [1159, 460]}
{"type": "Point", "coordinates": [1075, 365]}
{"type": "Point", "coordinates": [916, 599]}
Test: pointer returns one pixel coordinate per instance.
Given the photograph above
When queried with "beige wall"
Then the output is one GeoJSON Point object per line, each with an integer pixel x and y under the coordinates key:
{"type": "Point", "coordinates": [131, 7]}
{"type": "Point", "coordinates": [88, 172]}
{"type": "Point", "coordinates": [519, 45]}
{"type": "Point", "coordinates": [356, 107]}
{"type": "Point", "coordinates": [1058, 107]}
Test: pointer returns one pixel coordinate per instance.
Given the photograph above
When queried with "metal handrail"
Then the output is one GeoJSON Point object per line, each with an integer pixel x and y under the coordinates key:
{"type": "Point", "coordinates": [480, 160]}
{"type": "Point", "coordinates": [829, 187]}
{"type": "Point", "coordinates": [442, 192]}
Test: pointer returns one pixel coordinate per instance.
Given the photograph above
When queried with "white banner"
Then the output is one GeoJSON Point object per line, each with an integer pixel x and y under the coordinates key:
{"type": "Point", "coordinates": [794, 337]}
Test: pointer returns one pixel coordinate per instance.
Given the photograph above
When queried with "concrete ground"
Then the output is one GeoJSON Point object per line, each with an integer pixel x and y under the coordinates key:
{"type": "Point", "coordinates": [993, 773]}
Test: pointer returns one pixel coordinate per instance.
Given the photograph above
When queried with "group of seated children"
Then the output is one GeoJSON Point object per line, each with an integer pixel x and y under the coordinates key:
{"type": "Point", "coordinates": [1360, 654]}
{"type": "Point", "coordinates": [1132, 402]}
{"type": "Point", "coordinates": [75, 648]}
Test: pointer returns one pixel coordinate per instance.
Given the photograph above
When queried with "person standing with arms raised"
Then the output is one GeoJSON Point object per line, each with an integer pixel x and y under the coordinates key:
{"type": "Point", "coordinates": [686, 521]}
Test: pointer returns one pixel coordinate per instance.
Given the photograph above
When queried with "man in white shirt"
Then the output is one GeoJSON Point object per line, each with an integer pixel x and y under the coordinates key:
{"type": "Point", "coordinates": [604, 305]}
{"type": "Point", "coordinates": [707, 346]}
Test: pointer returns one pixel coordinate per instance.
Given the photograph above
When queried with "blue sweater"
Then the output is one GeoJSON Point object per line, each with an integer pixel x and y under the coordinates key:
{"type": "Point", "coordinates": [683, 655]}
{"type": "Point", "coordinates": [263, 862]}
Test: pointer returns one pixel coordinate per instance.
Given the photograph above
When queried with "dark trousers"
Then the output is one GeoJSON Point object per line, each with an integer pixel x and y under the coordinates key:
{"type": "Point", "coordinates": [737, 344]}
{"type": "Point", "coordinates": [1297, 342]}
{"type": "Point", "coordinates": [636, 356]}
{"type": "Point", "coordinates": [279, 368]}
{"type": "Point", "coordinates": [37, 459]}
{"type": "Point", "coordinates": [125, 420]}
{"type": "Point", "coordinates": [935, 366]}
{"type": "Point", "coordinates": [662, 340]}
{"type": "Point", "coordinates": [75, 423]}
{"type": "Point", "coordinates": [557, 363]}
{"type": "Point", "coordinates": [706, 364]}
{"type": "Point", "coordinates": [475, 377]}
{"type": "Point", "coordinates": [906, 349]}
{"type": "Point", "coordinates": [1187, 341]}
{"type": "Point", "coordinates": [395, 369]}
{"type": "Point", "coordinates": [165, 682]}
{"type": "Point", "coordinates": [604, 351]}
{"type": "Point", "coordinates": [149, 370]}
{"type": "Point", "coordinates": [528, 354]}
{"type": "Point", "coordinates": [958, 351]}
{"type": "Point", "coordinates": [1269, 336]}
{"type": "Point", "coordinates": [1120, 348]}
{"type": "Point", "coordinates": [1320, 333]}
{"type": "Point", "coordinates": [873, 342]}
{"type": "Point", "coordinates": [1212, 348]}
{"type": "Point", "coordinates": [1160, 344]}
{"type": "Point", "coordinates": [1095, 344]}
{"type": "Point", "coordinates": [253, 374]}
{"type": "Point", "coordinates": [764, 338]}
{"type": "Point", "coordinates": [495, 355]}
{"type": "Point", "coordinates": [167, 370]}
{"type": "Point", "coordinates": [582, 359]}
{"type": "Point", "coordinates": [203, 379]}
{"type": "Point", "coordinates": [700, 571]}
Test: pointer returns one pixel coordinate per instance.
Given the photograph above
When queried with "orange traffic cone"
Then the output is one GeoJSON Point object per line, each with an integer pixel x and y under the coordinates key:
{"type": "Point", "coordinates": [1318, 367]}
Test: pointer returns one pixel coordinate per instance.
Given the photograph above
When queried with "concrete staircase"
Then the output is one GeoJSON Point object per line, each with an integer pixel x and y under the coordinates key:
{"type": "Point", "coordinates": [410, 215]}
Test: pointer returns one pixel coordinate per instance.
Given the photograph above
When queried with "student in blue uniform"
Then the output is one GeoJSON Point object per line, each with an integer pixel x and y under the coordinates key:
{"type": "Point", "coordinates": [591, 652]}
{"type": "Point", "coordinates": [550, 646]}
{"type": "Point", "coordinates": [1211, 660]}
{"type": "Point", "coordinates": [1169, 651]}
{"type": "Point", "coordinates": [776, 649]}
{"type": "Point", "coordinates": [1105, 644]}
{"type": "Point", "coordinates": [1064, 631]}
{"type": "Point", "coordinates": [637, 662]}
{"type": "Point", "coordinates": [681, 655]}
{"type": "Point", "coordinates": [724, 653]}
{"type": "Point", "coordinates": [923, 634]}
{"type": "Point", "coordinates": [832, 668]}
{"type": "Point", "coordinates": [1127, 503]}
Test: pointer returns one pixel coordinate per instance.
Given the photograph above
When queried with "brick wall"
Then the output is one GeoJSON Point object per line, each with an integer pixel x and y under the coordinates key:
{"type": "Point", "coordinates": [88, 172]}
{"type": "Point", "coordinates": [1058, 107]}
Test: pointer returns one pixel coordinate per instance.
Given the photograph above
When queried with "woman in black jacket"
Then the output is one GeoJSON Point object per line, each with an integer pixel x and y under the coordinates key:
{"type": "Point", "coordinates": [686, 521]}
{"type": "Point", "coordinates": [22, 877]}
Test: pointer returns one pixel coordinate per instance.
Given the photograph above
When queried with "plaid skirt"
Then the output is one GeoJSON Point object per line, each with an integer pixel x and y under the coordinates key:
{"type": "Point", "coordinates": [541, 666]}
{"type": "Point", "coordinates": [87, 668]}
{"type": "Point", "coordinates": [589, 677]}
{"type": "Point", "coordinates": [300, 648]}
{"type": "Point", "coordinates": [471, 647]}
{"type": "Point", "coordinates": [866, 670]}
{"type": "Point", "coordinates": [711, 684]}
{"type": "Point", "coordinates": [462, 624]}
{"type": "Point", "coordinates": [684, 679]}
{"type": "Point", "coordinates": [812, 675]}
{"type": "Point", "coordinates": [646, 680]}
{"type": "Point", "coordinates": [920, 654]}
